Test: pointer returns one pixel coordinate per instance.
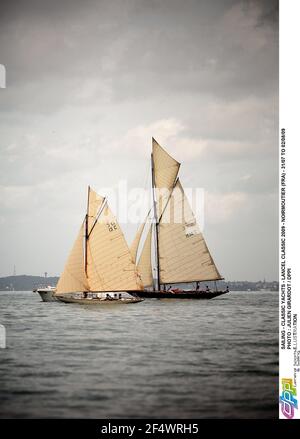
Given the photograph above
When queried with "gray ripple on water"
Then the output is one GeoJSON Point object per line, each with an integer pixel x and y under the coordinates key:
{"type": "Point", "coordinates": [159, 358]}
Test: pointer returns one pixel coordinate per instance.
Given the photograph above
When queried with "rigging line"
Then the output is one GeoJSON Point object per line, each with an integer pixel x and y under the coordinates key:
{"type": "Point", "coordinates": [170, 195]}
{"type": "Point", "coordinates": [86, 229]}
{"type": "Point", "coordinates": [104, 202]}
{"type": "Point", "coordinates": [156, 223]}
{"type": "Point", "coordinates": [146, 219]}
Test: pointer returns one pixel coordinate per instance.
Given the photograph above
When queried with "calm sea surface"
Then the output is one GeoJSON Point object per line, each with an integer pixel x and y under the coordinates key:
{"type": "Point", "coordinates": [158, 358]}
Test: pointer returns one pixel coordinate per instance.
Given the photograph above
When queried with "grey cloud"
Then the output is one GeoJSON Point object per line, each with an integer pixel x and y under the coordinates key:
{"type": "Point", "coordinates": [88, 83]}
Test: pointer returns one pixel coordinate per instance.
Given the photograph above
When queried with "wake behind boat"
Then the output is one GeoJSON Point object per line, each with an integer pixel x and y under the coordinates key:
{"type": "Point", "coordinates": [174, 247]}
{"type": "Point", "coordinates": [100, 269]}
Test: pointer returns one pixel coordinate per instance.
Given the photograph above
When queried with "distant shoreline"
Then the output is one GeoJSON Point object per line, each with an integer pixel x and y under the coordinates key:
{"type": "Point", "coordinates": [28, 283]}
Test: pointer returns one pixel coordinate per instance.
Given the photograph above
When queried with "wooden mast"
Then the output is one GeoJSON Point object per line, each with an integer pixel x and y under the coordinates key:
{"type": "Point", "coordinates": [156, 224]}
{"type": "Point", "coordinates": [86, 231]}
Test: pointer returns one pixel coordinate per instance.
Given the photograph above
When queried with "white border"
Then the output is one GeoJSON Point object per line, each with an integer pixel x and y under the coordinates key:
{"type": "Point", "coordinates": [289, 75]}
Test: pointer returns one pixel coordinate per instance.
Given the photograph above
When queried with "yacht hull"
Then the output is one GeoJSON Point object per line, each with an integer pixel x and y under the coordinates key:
{"type": "Point", "coordinates": [99, 301]}
{"type": "Point", "coordinates": [181, 294]}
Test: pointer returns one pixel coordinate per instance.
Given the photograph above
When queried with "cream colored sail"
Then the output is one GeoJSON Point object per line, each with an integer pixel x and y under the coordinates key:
{"type": "Point", "coordinates": [137, 239]}
{"type": "Point", "coordinates": [165, 170]}
{"type": "Point", "coordinates": [136, 242]}
{"type": "Point", "coordinates": [73, 278]}
{"type": "Point", "coordinates": [109, 262]}
{"type": "Point", "coordinates": [94, 202]}
{"type": "Point", "coordinates": [144, 265]}
{"type": "Point", "coordinates": [183, 253]}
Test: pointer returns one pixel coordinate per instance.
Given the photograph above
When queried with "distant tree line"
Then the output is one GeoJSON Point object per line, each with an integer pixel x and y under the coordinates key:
{"type": "Point", "coordinates": [28, 283]}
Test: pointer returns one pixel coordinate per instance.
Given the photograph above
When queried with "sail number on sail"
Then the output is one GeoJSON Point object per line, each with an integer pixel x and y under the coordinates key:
{"type": "Point", "coordinates": [111, 226]}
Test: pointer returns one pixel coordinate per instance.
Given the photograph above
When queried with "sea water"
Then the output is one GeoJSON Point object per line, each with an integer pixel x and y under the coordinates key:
{"type": "Point", "coordinates": [160, 358]}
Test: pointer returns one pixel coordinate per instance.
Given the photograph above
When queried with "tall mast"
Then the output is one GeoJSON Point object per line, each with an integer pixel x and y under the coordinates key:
{"type": "Point", "coordinates": [86, 231]}
{"type": "Point", "coordinates": [156, 224]}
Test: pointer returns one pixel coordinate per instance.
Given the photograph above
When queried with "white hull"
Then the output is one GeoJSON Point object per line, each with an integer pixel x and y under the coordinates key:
{"type": "Point", "coordinates": [46, 294]}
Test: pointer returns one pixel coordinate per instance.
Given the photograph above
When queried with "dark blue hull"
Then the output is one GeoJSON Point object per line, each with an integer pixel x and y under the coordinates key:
{"type": "Point", "coordinates": [180, 295]}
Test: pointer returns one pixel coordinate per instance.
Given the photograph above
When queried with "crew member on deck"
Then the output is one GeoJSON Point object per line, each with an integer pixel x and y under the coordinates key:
{"type": "Point", "coordinates": [207, 289]}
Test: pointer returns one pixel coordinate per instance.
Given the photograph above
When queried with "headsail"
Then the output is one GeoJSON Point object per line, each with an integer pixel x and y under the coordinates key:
{"type": "Point", "coordinates": [183, 253]}
{"type": "Point", "coordinates": [137, 239]}
{"type": "Point", "coordinates": [73, 278]}
{"type": "Point", "coordinates": [144, 265]}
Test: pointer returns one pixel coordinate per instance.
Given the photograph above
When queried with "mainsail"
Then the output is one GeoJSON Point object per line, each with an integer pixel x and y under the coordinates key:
{"type": "Point", "coordinates": [181, 253]}
{"type": "Point", "coordinates": [106, 264]}
{"type": "Point", "coordinates": [109, 262]}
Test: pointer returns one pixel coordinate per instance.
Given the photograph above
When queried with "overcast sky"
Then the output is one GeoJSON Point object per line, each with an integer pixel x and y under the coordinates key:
{"type": "Point", "coordinates": [89, 83]}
